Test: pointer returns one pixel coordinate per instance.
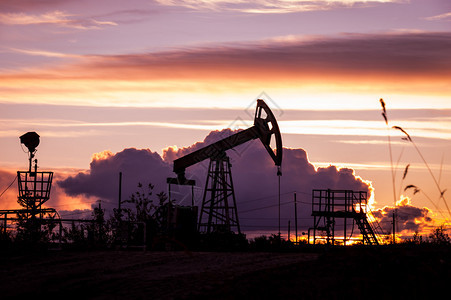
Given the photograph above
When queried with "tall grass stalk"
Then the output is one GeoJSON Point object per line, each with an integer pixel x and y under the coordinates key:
{"type": "Point", "coordinates": [384, 115]}
{"type": "Point", "coordinates": [404, 175]}
{"type": "Point", "coordinates": [441, 166]}
{"type": "Point", "coordinates": [442, 192]}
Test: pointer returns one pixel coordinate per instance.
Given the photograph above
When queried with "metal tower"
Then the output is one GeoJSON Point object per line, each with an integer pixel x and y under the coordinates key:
{"type": "Point", "coordinates": [219, 211]}
{"type": "Point", "coordinates": [34, 186]}
{"type": "Point", "coordinates": [34, 191]}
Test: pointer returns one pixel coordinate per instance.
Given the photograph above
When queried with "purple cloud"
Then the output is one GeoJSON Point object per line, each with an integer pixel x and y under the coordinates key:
{"type": "Point", "coordinates": [408, 217]}
{"type": "Point", "coordinates": [351, 54]}
{"type": "Point", "coordinates": [102, 179]}
{"type": "Point", "coordinates": [253, 171]}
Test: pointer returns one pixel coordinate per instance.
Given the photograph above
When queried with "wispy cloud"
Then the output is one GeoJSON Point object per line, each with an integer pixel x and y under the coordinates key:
{"type": "Point", "coordinates": [36, 52]}
{"type": "Point", "coordinates": [63, 128]}
{"type": "Point", "coordinates": [393, 53]}
{"type": "Point", "coordinates": [369, 142]}
{"type": "Point", "coordinates": [57, 18]}
{"type": "Point", "coordinates": [432, 129]}
{"type": "Point", "coordinates": [441, 17]}
{"type": "Point", "coordinates": [438, 129]}
{"type": "Point", "coordinates": [418, 65]}
{"type": "Point", "coordinates": [270, 6]}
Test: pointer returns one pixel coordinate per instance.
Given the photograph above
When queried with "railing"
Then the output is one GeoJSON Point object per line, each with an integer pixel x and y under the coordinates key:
{"type": "Point", "coordinates": [34, 188]}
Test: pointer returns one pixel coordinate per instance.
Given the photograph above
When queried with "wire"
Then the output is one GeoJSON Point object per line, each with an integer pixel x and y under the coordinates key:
{"type": "Point", "coordinates": [263, 207]}
{"type": "Point", "coordinates": [271, 218]}
{"type": "Point", "coordinates": [76, 213]}
{"type": "Point", "coordinates": [274, 195]}
{"type": "Point", "coordinates": [24, 151]}
{"type": "Point", "coordinates": [8, 186]}
{"type": "Point", "coordinates": [263, 198]}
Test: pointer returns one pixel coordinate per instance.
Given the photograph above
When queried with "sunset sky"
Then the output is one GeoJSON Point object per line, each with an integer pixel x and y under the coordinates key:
{"type": "Point", "coordinates": [103, 76]}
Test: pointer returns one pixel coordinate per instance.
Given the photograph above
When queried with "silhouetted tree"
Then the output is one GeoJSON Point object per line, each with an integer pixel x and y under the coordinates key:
{"type": "Point", "coordinates": [76, 235]}
{"type": "Point", "coordinates": [32, 230]}
{"type": "Point", "coordinates": [93, 233]}
{"type": "Point", "coordinates": [98, 230]}
{"type": "Point", "coordinates": [140, 211]}
{"type": "Point", "coordinates": [439, 236]}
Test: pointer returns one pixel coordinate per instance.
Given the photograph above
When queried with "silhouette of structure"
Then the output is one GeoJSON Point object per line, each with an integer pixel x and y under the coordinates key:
{"type": "Point", "coordinates": [34, 191]}
{"type": "Point", "coordinates": [218, 191]}
{"type": "Point", "coordinates": [331, 206]}
{"type": "Point", "coordinates": [219, 211]}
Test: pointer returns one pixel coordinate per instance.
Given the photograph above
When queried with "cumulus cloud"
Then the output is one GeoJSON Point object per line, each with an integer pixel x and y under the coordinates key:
{"type": "Point", "coordinates": [256, 183]}
{"type": "Point", "coordinates": [254, 176]}
{"type": "Point", "coordinates": [102, 179]}
{"type": "Point", "coordinates": [409, 218]}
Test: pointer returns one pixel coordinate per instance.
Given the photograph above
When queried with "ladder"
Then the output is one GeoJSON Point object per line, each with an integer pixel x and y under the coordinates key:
{"type": "Point", "coordinates": [369, 237]}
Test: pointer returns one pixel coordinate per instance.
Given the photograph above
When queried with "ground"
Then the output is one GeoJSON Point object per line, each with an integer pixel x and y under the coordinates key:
{"type": "Point", "coordinates": [326, 273]}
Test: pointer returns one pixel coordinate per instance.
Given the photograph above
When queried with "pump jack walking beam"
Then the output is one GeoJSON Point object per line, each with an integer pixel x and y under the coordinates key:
{"type": "Point", "coordinates": [265, 126]}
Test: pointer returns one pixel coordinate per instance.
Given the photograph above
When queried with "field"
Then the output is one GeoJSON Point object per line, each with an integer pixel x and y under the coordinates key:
{"type": "Point", "coordinates": [412, 272]}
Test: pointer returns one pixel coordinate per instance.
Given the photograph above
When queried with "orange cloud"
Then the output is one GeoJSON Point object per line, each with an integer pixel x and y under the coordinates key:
{"type": "Point", "coordinates": [102, 155]}
{"type": "Point", "coordinates": [409, 218]}
{"type": "Point", "coordinates": [343, 69]}
{"type": "Point", "coordinates": [375, 57]}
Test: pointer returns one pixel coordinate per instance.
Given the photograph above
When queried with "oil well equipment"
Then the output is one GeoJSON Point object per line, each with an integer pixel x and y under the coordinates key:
{"type": "Point", "coordinates": [34, 190]}
{"type": "Point", "coordinates": [218, 212]}
{"type": "Point", "coordinates": [336, 211]}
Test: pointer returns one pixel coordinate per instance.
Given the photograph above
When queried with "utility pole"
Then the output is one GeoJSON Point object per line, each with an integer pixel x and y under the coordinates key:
{"type": "Point", "coordinates": [394, 226]}
{"type": "Point", "coordinates": [279, 173]}
{"type": "Point", "coordinates": [295, 219]}
{"type": "Point", "coordinates": [289, 230]}
{"type": "Point", "coordinates": [120, 192]}
{"type": "Point", "coordinates": [192, 196]}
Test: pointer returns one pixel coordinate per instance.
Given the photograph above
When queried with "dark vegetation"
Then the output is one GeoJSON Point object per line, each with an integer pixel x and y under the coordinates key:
{"type": "Point", "coordinates": [104, 258]}
{"type": "Point", "coordinates": [147, 223]}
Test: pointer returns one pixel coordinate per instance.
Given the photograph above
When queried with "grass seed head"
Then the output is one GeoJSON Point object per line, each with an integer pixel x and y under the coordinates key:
{"type": "Point", "coordinates": [403, 131]}
{"type": "Point", "coordinates": [405, 171]}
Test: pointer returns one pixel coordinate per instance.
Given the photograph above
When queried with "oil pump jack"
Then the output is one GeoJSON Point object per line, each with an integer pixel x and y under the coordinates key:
{"type": "Point", "coordinates": [219, 212]}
